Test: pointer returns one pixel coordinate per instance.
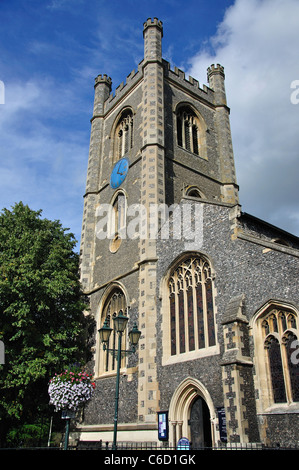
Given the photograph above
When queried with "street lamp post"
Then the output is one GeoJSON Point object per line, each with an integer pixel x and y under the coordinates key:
{"type": "Point", "coordinates": [120, 324]}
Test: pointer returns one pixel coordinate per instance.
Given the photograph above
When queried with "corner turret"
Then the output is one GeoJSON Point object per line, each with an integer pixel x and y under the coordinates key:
{"type": "Point", "coordinates": [102, 86]}
{"type": "Point", "coordinates": [153, 33]}
{"type": "Point", "coordinates": [216, 79]}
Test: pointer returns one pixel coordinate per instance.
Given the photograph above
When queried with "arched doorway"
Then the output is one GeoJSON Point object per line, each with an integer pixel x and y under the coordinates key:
{"type": "Point", "coordinates": [192, 415]}
{"type": "Point", "coordinates": [200, 424]}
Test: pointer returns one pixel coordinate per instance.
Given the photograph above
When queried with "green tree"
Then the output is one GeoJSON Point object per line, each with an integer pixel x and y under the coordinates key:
{"type": "Point", "coordinates": [42, 323]}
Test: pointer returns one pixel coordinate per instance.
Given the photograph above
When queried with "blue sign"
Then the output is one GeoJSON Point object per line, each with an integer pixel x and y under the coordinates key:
{"type": "Point", "coordinates": [163, 425]}
{"type": "Point", "coordinates": [183, 444]}
{"type": "Point", "coordinates": [222, 424]}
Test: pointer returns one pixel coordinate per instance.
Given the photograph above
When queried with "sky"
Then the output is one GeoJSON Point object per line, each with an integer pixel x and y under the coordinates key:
{"type": "Point", "coordinates": [51, 51]}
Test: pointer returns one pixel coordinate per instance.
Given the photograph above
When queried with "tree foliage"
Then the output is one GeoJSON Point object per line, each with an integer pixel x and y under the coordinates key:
{"type": "Point", "coordinates": [42, 324]}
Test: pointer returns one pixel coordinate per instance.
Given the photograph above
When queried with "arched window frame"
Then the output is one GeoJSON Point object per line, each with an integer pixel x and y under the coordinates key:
{"type": "Point", "coordinates": [117, 219]}
{"type": "Point", "coordinates": [179, 283]}
{"type": "Point", "coordinates": [122, 134]}
{"type": "Point", "coordinates": [275, 330]}
{"type": "Point", "coordinates": [194, 192]}
{"type": "Point", "coordinates": [191, 130]}
{"type": "Point", "coordinates": [114, 300]}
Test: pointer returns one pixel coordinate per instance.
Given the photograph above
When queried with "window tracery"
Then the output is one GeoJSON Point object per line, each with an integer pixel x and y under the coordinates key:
{"type": "Point", "coordinates": [115, 303]}
{"type": "Point", "coordinates": [124, 135]}
{"type": "Point", "coordinates": [188, 130]}
{"type": "Point", "coordinates": [280, 339]}
{"type": "Point", "coordinates": [192, 323]}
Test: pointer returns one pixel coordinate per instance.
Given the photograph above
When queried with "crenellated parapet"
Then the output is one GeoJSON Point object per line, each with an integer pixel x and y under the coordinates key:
{"type": "Point", "coordinates": [215, 75]}
{"type": "Point", "coordinates": [124, 87]}
{"type": "Point", "coordinates": [111, 98]}
{"type": "Point", "coordinates": [213, 92]}
{"type": "Point", "coordinates": [192, 84]}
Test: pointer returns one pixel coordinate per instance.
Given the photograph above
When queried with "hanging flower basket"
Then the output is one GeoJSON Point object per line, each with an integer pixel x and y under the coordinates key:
{"type": "Point", "coordinates": [70, 389]}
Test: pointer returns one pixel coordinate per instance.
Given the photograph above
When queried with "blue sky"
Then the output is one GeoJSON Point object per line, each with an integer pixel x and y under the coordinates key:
{"type": "Point", "coordinates": [51, 51]}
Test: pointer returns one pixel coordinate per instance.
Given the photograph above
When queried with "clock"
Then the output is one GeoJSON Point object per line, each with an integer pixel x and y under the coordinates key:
{"type": "Point", "coordinates": [119, 172]}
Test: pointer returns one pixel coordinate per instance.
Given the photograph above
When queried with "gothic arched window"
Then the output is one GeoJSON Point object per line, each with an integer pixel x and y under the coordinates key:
{"type": "Point", "coordinates": [193, 191]}
{"type": "Point", "coordinates": [280, 339]}
{"type": "Point", "coordinates": [123, 140]}
{"type": "Point", "coordinates": [115, 303]}
{"type": "Point", "coordinates": [190, 131]}
{"type": "Point", "coordinates": [192, 322]}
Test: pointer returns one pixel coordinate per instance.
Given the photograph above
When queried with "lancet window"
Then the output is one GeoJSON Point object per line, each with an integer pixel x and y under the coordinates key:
{"type": "Point", "coordinates": [117, 220]}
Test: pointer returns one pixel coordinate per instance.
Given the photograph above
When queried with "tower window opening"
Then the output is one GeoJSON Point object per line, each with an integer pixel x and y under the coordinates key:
{"type": "Point", "coordinates": [188, 130]}
{"type": "Point", "coordinates": [117, 222]}
{"type": "Point", "coordinates": [193, 191]}
{"type": "Point", "coordinates": [124, 134]}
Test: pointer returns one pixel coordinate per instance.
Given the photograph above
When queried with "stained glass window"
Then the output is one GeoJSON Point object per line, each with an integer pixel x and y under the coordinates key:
{"type": "Point", "coordinates": [192, 323]}
{"type": "Point", "coordinates": [291, 345]}
{"type": "Point", "coordinates": [276, 371]}
{"type": "Point", "coordinates": [280, 340]}
{"type": "Point", "coordinates": [172, 324]}
{"type": "Point", "coordinates": [115, 303]}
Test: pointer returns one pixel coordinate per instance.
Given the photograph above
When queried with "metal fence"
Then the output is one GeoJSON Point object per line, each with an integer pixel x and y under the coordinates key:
{"type": "Point", "coordinates": [152, 446]}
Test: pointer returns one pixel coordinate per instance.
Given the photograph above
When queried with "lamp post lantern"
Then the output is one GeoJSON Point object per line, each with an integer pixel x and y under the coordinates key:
{"type": "Point", "coordinates": [120, 324]}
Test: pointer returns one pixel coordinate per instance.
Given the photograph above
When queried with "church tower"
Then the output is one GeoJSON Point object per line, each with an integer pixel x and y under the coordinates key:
{"type": "Point", "coordinates": [160, 139]}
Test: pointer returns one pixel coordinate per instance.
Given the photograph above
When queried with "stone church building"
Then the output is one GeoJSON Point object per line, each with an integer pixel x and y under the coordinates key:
{"type": "Point", "coordinates": [212, 289]}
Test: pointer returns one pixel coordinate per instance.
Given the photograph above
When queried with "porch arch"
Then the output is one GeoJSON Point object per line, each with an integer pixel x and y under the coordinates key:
{"type": "Point", "coordinates": [180, 408]}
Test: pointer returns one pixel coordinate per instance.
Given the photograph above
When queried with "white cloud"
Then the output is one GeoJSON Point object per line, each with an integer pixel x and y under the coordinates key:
{"type": "Point", "coordinates": [257, 44]}
{"type": "Point", "coordinates": [18, 96]}
{"type": "Point", "coordinates": [43, 157]}
{"type": "Point", "coordinates": [62, 4]}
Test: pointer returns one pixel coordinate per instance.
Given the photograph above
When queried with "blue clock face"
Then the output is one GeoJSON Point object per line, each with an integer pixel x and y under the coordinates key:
{"type": "Point", "coordinates": [119, 172]}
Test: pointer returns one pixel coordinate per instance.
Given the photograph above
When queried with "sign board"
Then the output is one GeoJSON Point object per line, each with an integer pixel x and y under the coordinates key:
{"type": "Point", "coordinates": [183, 444]}
{"type": "Point", "coordinates": [222, 424]}
{"type": "Point", "coordinates": [163, 425]}
{"type": "Point", "coordinates": [68, 414]}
